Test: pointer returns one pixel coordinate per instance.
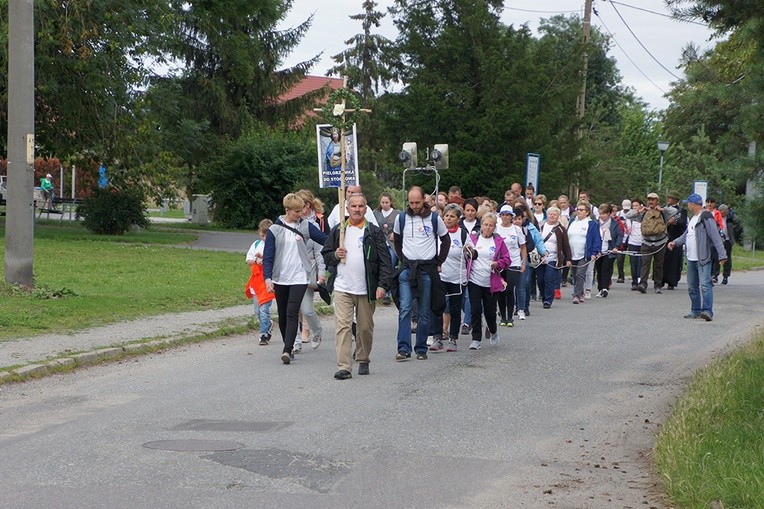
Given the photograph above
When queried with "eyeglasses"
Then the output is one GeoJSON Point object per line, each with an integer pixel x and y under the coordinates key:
{"type": "Point", "coordinates": [538, 203]}
{"type": "Point", "coordinates": [582, 210]}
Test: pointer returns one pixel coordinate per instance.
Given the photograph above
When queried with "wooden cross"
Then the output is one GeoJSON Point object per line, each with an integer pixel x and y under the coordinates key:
{"type": "Point", "coordinates": [341, 189]}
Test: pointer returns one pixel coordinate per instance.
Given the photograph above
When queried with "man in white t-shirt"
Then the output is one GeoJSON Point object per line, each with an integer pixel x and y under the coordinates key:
{"type": "Point", "coordinates": [422, 243]}
{"type": "Point", "coordinates": [359, 275]}
{"type": "Point", "coordinates": [334, 218]}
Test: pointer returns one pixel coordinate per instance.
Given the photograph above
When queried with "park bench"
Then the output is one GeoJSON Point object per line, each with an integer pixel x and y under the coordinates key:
{"type": "Point", "coordinates": [66, 207]}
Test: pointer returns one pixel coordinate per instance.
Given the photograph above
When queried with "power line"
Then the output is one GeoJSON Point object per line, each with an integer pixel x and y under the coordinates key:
{"type": "Point", "coordinates": [657, 13]}
{"type": "Point", "coordinates": [641, 44]}
{"type": "Point", "coordinates": [539, 12]}
{"type": "Point", "coordinates": [626, 54]}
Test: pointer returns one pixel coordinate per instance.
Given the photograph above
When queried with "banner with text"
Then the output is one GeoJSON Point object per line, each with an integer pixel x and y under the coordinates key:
{"type": "Point", "coordinates": [330, 156]}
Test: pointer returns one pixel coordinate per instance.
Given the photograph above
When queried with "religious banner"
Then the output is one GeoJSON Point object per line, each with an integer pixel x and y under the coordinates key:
{"type": "Point", "coordinates": [330, 156]}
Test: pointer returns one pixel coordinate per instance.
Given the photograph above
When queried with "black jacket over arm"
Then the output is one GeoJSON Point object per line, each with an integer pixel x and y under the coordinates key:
{"type": "Point", "coordinates": [376, 259]}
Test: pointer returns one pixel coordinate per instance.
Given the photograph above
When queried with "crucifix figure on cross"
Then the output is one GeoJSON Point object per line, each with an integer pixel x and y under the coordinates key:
{"type": "Point", "coordinates": [342, 118]}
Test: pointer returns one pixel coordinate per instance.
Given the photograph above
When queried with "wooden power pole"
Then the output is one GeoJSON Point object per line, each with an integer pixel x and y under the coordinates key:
{"type": "Point", "coordinates": [581, 101]}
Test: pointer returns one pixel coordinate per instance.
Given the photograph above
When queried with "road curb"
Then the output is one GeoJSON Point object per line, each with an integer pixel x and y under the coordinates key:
{"type": "Point", "coordinates": [113, 353]}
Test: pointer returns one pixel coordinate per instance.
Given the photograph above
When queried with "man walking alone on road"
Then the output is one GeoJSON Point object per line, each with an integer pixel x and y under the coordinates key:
{"type": "Point", "coordinates": [702, 232]}
{"type": "Point", "coordinates": [359, 275]}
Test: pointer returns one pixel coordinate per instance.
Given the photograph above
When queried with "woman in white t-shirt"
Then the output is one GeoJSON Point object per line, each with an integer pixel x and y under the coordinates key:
{"type": "Point", "coordinates": [489, 256]}
{"type": "Point", "coordinates": [454, 279]}
{"type": "Point", "coordinates": [286, 266]}
{"type": "Point", "coordinates": [585, 243]}
{"type": "Point", "coordinates": [386, 215]}
{"type": "Point", "coordinates": [514, 238]}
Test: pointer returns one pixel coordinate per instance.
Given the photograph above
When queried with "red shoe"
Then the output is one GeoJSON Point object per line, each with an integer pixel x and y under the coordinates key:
{"type": "Point", "coordinates": [557, 294]}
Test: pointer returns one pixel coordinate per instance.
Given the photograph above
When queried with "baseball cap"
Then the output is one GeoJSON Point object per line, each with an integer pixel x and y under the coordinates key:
{"type": "Point", "coordinates": [694, 198]}
{"type": "Point", "coordinates": [626, 204]}
{"type": "Point", "coordinates": [48, 176]}
{"type": "Point", "coordinates": [653, 195]}
{"type": "Point", "coordinates": [506, 209]}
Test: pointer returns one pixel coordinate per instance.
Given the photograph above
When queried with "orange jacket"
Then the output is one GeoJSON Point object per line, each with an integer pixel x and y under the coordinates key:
{"type": "Point", "coordinates": [256, 286]}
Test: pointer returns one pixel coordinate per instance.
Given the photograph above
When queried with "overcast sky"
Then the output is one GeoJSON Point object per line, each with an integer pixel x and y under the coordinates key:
{"type": "Point", "coordinates": [663, 37]}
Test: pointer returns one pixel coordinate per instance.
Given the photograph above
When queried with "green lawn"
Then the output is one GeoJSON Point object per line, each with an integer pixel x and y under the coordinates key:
{"type": "Point", "coordinates": [171, 213]}
{"type": "Point", "coordinates": [712, 447]}
{"type": "Point", "coordinates": [83, 280]}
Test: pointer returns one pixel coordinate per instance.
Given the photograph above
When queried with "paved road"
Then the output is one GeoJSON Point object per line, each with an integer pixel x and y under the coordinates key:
{"type": "Point", "coordinates": [562, 414]}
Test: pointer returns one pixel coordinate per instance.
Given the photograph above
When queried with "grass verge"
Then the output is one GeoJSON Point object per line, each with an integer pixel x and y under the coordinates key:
{"type": "Point", "coordinates": [711, 451]}
{"type": "Point", "coordinates": [84, 280]}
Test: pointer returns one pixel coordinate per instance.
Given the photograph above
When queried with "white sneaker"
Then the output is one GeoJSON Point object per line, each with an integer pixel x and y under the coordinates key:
{"type": "Point", "coordinates": [297, 347]}
{"type": "Point", "coordinates": [599, 294]}
{"type": "Point", "coordinates": [315, 341]}
{"type": "Point", "coordinates": [430, 340]}
{"type": "Point", "coordinates": [495, 338]}
{"type": "Point", "coordinates": [521, 314]}
{"type": "Point", "coordinates": [475, 345]}
{"type": "Point", "coordinates": [588, 294]}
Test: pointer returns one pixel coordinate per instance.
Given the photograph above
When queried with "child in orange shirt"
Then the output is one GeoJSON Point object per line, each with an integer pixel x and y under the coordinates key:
{"type": "Point", "coordinates": [256, 284]}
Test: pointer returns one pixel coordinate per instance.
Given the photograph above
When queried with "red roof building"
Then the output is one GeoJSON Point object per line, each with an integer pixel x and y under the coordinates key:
{"type": "Point", "coordinates": [309, 84]}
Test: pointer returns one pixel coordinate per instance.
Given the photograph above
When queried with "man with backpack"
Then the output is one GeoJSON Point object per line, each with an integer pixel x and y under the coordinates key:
{"type": "Point", "coordinates": [701, 238]}
{"type": "Point", "coordinates": [421, 242]}
{"type": "Point", "coordinates": [654, 239]}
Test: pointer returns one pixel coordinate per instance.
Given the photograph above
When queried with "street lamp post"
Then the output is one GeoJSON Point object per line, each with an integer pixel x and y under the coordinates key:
{"type": "Point", "coordinates": [663, 145]}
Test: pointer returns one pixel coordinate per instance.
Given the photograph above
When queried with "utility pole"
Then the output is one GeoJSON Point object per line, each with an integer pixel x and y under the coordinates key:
{"type": "Point", "coordinates": [19, 222]}
{"type": "Point", "coordinates": [581, 101]}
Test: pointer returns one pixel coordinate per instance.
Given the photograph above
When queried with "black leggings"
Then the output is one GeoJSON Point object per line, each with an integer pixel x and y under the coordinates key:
{"type": "Point", "coordinates": [288, 300]}
{"type": "Point", "coordinates": [481, 299]}
{"type": "Point", "coordinates": [507, 297]}
{"type": "Point", "coordinates": [455, 294]}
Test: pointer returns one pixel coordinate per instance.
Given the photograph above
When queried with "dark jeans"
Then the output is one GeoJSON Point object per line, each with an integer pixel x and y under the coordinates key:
{"type": "Point", "coordinates": [549, 280]}
{"type": "Point", "coordinates": [635, 262]}
{"type": "Point", "coordinates": [716, 267]}
{"type": "Point", "coordinates": [483, 300]}
{"type": "Point", "coordinates": [604, 268]}
{"type": "Point", "coordinates": [728, 263]}
{"type": "Point", "coordinates": [621, 259]}
{"type": "Point", "coordinates": [507, 297]}
{"type": "Point", "coordinates": [288, 300]}
{"type": "Point", "coordinates": [454, 301]}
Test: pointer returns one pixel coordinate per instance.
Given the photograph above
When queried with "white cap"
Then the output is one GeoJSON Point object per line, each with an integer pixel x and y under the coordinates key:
{"type": "Point", "coordinates": [506, 209]}
{"type": "Point", "coordinates": [626, 204]}
{"type": "Point", "coordinates": [48, 176]}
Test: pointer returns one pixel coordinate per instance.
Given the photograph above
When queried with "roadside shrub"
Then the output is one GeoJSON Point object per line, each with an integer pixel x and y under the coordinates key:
{"type": "Point", "coordinates": [113, 211]}
{"type": "Point", "coordinates": [254, 173]}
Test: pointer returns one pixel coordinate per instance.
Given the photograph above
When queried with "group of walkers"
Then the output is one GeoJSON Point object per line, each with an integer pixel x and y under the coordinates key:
{"type": "Point", "coordinates": [452, 264]}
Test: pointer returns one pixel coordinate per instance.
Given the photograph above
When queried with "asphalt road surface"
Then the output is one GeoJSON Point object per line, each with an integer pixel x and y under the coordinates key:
{"type": "Point", "coordinates": [563, 413]}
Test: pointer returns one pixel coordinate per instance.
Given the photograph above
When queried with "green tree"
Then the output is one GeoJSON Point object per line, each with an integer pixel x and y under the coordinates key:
{"type": "Point", "coordinates": [495, 93]}
{"type": "Point", "coordinates": [90, 58]}
{"type": "Point", "coordinates": [252, 175]}
{"type": "Point", "coordinates": [369, 60]}
{"type": "Point", "coordinates": [233, 52]}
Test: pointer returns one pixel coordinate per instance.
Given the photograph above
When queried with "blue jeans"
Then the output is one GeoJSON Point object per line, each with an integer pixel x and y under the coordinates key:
{"type": "Point", "coordinates": [406, 302]}
{"type": "Point", "coordinates": [699, 287]}
{"type": "Point", "coordinates": [521, 291]}
{"type": "Point", "coordinates": [264, 314]}
{"type": "Point", "coordinates": [466, 307]}
{"type": "Point", "coordinates": [549, 278]}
